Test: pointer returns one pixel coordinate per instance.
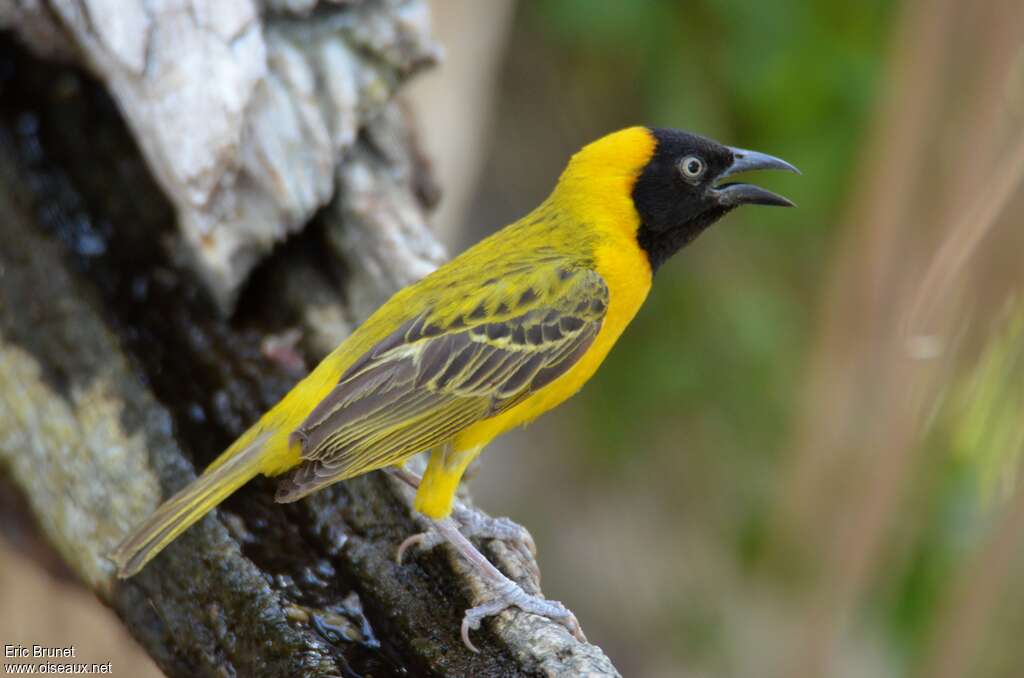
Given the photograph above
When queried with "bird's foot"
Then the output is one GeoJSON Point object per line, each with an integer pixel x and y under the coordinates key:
{"type": "Point", "coordinates": [505, 594]}
{"type": "Point", "coordinates": [501, 592]}
{"type": "Point", "coordinates": [474, 525]}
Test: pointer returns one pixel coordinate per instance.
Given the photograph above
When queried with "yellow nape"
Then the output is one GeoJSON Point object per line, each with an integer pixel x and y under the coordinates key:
{"type": "Point", "coordinates": [624, 152]}
{"type": "Point", "coordinates": [598, 181]}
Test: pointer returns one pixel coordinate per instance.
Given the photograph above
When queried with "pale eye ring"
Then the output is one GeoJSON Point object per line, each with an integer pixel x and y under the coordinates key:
{"type": "Point", "coordinates": [692, 167]}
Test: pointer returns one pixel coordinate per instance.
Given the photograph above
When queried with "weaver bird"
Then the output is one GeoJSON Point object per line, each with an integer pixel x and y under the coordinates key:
{"type": "Point", "coordinates": [497, 336]}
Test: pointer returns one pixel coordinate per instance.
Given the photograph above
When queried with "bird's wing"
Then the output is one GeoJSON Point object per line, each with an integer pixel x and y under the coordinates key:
{"type": "Point", "coordinates": [431, 379]}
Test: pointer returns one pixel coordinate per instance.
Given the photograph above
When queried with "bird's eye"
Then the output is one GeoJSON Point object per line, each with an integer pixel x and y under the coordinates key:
{"type": "Point", "coordinates": [691, 167]}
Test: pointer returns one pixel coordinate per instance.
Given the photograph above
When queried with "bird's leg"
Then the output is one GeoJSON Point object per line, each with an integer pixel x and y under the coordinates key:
{"type": "Point", "coordinates": [473, 524]}
{"type": "Point", "coordinates": [504, 593]}
{"type": "Point", "coordinates": [406, 476]}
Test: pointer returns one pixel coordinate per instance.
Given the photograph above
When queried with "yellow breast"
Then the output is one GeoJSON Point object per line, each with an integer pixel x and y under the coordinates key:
{"type": "Point", "coordinates": [627, 272]}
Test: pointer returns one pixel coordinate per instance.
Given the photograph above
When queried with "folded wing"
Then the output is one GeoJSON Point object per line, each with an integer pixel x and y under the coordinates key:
{"type": "Point", "coordinates": [434, 377]}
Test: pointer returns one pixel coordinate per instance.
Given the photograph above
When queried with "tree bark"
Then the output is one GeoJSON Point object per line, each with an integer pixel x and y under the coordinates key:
{"type": "Point", "coordinates": [121, 373]}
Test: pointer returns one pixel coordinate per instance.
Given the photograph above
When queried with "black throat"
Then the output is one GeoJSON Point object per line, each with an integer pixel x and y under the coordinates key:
{"type": "Point", "coordinates": [660, 245]}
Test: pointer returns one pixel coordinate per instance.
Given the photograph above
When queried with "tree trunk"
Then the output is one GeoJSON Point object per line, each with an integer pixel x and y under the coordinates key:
{"type": "Point", "coordinates": [131, 353]}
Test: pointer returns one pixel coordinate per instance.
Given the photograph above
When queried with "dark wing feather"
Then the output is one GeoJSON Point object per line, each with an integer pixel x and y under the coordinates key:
{"type": "Point", "coordinates": [424, 383]}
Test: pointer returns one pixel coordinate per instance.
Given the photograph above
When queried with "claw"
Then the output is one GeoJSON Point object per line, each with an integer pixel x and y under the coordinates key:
{"type": "Point", "coordinates": [474, 617]}
{"type": "Point", "coordinates": [414, 540]}
{"type": "Point", "coordinates": [509, 594]}
{"type": "Point", "coordinates": [465, 639]}
{"type": "Point", "coordinates": [424, 541]}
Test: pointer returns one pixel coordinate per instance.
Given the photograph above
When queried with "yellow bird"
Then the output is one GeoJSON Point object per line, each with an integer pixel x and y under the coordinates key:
{"type": "Point", "coordinates": [491, 340]}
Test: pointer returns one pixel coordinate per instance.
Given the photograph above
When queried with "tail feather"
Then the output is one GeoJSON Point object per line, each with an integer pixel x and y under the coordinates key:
{"type": "Point", "coordinates": [231, 471]}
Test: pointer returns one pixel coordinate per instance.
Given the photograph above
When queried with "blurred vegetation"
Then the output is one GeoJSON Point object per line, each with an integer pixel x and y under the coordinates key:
{"type": "Point", "coordinates": [690, 422]}
{"type": "Point", "coordinates": [988, 429]}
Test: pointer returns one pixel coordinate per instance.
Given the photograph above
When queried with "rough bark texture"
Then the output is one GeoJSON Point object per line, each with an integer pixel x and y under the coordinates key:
{"type": "Point", "coordinates": [243, 111]}
{"type": "Point", "coordinates": [120, 374]}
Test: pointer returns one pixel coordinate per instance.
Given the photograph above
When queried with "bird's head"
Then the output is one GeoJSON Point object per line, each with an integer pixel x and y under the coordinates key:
{"type": "Point", "coordinates": [675, 181]}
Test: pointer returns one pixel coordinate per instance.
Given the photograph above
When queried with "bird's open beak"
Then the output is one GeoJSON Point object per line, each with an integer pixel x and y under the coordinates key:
{"type": "Point", "coordinates": [734, 195]}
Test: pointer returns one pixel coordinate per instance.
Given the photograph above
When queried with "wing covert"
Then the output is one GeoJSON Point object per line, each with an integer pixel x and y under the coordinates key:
{"type": "Point", "coordinates": [430, 378]}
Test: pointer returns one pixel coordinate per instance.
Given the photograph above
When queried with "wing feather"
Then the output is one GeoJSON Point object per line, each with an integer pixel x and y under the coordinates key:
{"type": "Point", "coordinates": [429, 379]}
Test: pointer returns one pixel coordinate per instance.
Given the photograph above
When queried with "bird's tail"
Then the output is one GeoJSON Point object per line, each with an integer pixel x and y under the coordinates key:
{"type": "Point", "coordinates": [236, 466]}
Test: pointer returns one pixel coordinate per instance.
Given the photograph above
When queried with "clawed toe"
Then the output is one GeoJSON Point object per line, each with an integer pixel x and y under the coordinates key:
{"type": "Point", "coordinates": [474, 525]}
{"type": "Point", "coordinates": [510, 594]}
{"type": "Point", "coordinates": [424, 541]}
{"type": "Point", "coordinates": [504, 593]}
